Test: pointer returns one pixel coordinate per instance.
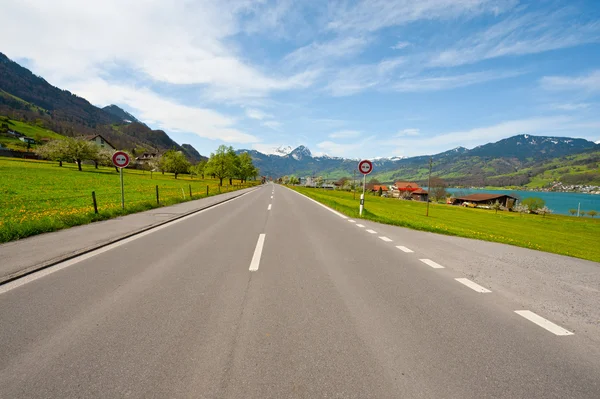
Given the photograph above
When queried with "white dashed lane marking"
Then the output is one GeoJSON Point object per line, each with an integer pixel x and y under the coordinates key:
{"type": "Point", "coordinates": [257, 253]}
{"type": "Point", "coordinates": [540, 321]}
{"type": "Point", "coordinates": [360, 225]}
{"type": "Point", "coordinates": [404, 249]}
{"type": "Point", "coordinates": [352, 221]}
{"type": "Point", "coordinates": [431, 263]}
{"type": "Point", "coordinates": [385, 239]}
{"type": "Point", "coordinates": [371, 231]}
{"type": "Point", "coordinates": [269, 208]}
{"type": "Point", "coordinates": [472, 285]}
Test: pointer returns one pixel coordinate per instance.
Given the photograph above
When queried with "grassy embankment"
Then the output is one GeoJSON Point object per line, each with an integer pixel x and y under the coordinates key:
{"type": "Point", "coordinates": [35, 132]}
{"type": "Point", "coordinates": [39, 196]}
{"type": "Point", "coordinates": [578, 237]}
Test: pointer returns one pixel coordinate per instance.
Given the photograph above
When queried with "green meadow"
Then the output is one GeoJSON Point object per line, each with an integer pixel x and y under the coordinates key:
{"type": "Point", "coordinates": [40, 196]}
{"type": "Point", "coordinates": [578, 237]}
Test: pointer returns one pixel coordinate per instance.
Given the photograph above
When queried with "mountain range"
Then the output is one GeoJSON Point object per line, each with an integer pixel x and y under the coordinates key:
{"type": "Point", "coordinates": [29, 98]}
{"type": "Point", "coordinates": [519, 160]}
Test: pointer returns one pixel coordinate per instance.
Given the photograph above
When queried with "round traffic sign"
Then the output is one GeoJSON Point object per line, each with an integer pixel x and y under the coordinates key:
{"type": "Point", "coordinates": [365, 167]}
{"type": "Point", "coordinates": [120, 159]}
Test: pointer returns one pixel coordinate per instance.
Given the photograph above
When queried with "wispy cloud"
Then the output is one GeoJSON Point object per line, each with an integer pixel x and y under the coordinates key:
{"type": "Point", "coordinates": [344, 149]}
{"type": "Point", "coordinates": [434, 83]}
{"type": "Point", "coordinates": [372, 15]}
{"type": "Point", "coordinates": [529, 33]}
{"type": "Point", "coordinates": [589, 82]}
{"type": "Point", "coordinates": [253, 113]}
{"type": "Point", "coordinates": [272, 124]}
{"type": "Point", "coordinates": [344, 134]}
{"type": "Point", "coordinates": [400, 45]}
{"type": "Point", "coordinates": [357, 78]}
{"type": "Point", "coordinates": [327, 52]}
{"type": "Point", "coordinates": [408, 132]}
{"type": "Point", "coordinates": [571, 106]}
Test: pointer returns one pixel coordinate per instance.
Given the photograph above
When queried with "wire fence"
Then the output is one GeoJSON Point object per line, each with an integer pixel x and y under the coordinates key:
{"type": "Point", "coordinates": [15, 209]}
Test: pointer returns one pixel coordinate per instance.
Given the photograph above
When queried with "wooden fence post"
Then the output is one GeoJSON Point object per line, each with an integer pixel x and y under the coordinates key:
{"type": "Point", "coordinates": [157, 198]}
{"type": "Point", "coordinates": [207, 191]}
{"type": "Point", "coordinates": [95, 203]}
{"type": "Point", "coordinates": [190, 191]}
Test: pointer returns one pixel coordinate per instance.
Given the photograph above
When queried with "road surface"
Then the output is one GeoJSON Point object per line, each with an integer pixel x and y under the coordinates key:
{"type": "Point", "coordinates": [271, 295]}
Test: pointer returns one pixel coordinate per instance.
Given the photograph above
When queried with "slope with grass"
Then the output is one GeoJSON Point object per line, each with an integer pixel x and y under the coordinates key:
{"type": "Point", "coordinates": [40, 196]}
{"type": "Point", "coordinates": [554, 233]}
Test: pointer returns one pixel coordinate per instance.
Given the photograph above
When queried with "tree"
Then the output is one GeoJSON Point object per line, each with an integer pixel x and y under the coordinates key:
{"type": "Point", "coordinates": [534, 203]}
{"type": "Point", "coordinates": [319, 181]}
{"type": "Point", "coordinates": [198, 169]}
{"type": "Point", "coordinates": [521, 208]}
{"type": "Point", "coordinates": [372, 183]}
{"type": "Point", "coordinates": [54, 150]}
{"type": "Point", "coordinates": [220, 164]}
{"type": "Point", "coordinates": [380, 191]}
{"type": "Point", "coordinates": [246, 168]}
{"type": "Point", "coordinates": [543, 211]}
{"type": "Point", "coordinates": [70, 149]}
{"type": "Point", "coordinates": [496, 206]}
{"type": "Point", "coordinates": [235, 164]}
{"type": "Point", "coordinates": [572, 212]}
{"type": "Point", "coordinates": [437, 189]}
{"type": "Point", "coordinates": [175, 162]}
{"type": "Point", "coordinates": [294, 180]}
{"type": "Point", "coordinates": [592, 213]}
{"type": "Point", "coordinates": [582, 213]}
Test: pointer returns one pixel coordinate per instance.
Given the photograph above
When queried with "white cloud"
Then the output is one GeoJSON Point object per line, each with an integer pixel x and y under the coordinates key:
{"type": "Point", "coordinates": [257, 114]}
{"type": "Point", "coordinates": [173, 42]}
{"type": "Point", "coordinates": [272, 124]}
{"type": "Point", "coordinates": [400, 45]}
{"type": "Point", "coordinates": [529, 33]}
{"type": "Point", "coordinates": [357, 78]}
{"type": "Point", "coordinates": [347, 150]}
{"type": "Point", "coordinates": [570, 106]}
{"type": "Point", "coordinates": [408, 132]}
{"type": "Point", "coordinates": [372, 15]}
{"type": "Point", "coordinates": [590, 82]}
{"type": "Point", "coordinates": [327, 52]}
{"type": "Point", "coordinates": [165, 114]}
{"type": "Point", "coordinates": [481, 135]}
{"type": "Point", "coordinates": [344, 134]}
{"type": "Point", "coordinates": [435, 83]}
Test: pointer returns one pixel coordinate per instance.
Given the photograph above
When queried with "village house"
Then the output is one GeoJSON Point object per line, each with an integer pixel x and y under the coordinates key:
{"type": "Point", "coordinates": [403, 189]}
{"type": "Point", "coordinates": [376, 187]}
{"type": "Point", "coordinates": [485, 199]}
{"type": "Point", "coordinates": [100, 141]}
{"type": "Point", "coordinates": [420, 195]}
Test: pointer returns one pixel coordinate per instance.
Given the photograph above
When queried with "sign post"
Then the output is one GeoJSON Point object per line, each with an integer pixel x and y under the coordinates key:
{"type": "Point", "coordinates": [365, 167]}
{"type": "Point", "coordinates": [121, 160]}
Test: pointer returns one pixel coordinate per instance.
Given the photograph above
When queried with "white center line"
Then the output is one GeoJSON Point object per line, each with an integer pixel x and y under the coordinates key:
{"type": "Point", "coordinates": [352, 221]}
{"type": "Point", "coordinates": [371, 231]}
{"type": "Point", "coordinates": [540, 321]}
{"type": "Point", "coordinates": [269, 208]}
{"type": "Point", "coordinates": [404, 249]}
{"type": "Point", "coordinates": [385, 239]}
{"type": "Point", "coordinates": [472, 285]}
{"type": "Point", "coordinates": [257, 253]}
{"type": "Point", "coordinates": [431, 263]}
{"type": "Point", "coordinates": [271, 197]}
{"type": "Point", "coordinates": [360, 225]}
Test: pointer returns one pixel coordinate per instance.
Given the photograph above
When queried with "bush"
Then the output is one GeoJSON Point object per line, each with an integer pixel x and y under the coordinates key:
{"type": "Point", "coordinates": [534, 203]}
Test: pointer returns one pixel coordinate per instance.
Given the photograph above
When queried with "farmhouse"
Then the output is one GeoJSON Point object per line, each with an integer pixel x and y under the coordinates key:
{"type": "Point", "coordinates": [420, 195]}
{"type": "Point", "coordinates": [484, 199]}
{"type": "Point", "coordinates": [383, 187]}
{"type": "Point", "coordinates": [27, 140]}
{"type": "Point", "coordinates": [100, 141]}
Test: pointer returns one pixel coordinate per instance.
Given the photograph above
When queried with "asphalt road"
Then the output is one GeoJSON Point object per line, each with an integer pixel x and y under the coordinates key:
{"type": "Point", "coordinates": [264, 297]}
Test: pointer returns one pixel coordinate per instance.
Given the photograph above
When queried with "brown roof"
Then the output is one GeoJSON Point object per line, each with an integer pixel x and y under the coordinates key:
{"type": "Point", "coordinates": [406, 186]}
{"type": "Point", "coordinates": [484, 197]}
{"type": "Point", "coordinates": [420, 191]}
{"type": "Point", "coordinates": [377, 186]}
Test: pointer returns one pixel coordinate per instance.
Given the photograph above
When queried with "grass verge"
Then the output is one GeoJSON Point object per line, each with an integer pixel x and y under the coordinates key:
{"type": "Point", "coordinates": [39, 197]}
{"type": "Point", "coordinates": [564, 235]}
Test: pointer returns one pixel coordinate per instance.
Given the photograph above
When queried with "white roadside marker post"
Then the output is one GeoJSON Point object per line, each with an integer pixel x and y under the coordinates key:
{"type": "Point", "coordinates": [365, 167]}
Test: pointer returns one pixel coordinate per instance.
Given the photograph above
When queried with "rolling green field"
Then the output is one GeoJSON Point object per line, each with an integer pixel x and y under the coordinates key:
{"type": "Point", "coordinates": [578, 237]}
{"type": "Point", "coordinates": [35, 132]}
{"type": "Point", "coordinates": [40, 196]}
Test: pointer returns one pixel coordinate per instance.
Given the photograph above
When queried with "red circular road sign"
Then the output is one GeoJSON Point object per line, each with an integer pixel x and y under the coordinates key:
{"type": "Point", "coordinates": [365, 167]}
{"type": "Point", "coordinates": [120, 159]}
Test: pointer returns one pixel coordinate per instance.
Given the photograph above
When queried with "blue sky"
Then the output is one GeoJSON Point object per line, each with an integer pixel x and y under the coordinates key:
{"type": "Point", "coordinates": [357, 79]}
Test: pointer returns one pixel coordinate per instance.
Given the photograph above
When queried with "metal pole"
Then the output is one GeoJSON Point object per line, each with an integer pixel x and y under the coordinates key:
{"type": "Point", "coordinates": [157, 198]}
{"type": "Point", "coordinates": [429, 185]}
{"type": "Point", "coordinates": [578, 208]}
{"type": "Point", "coordinates": [354, 184]}
{"type": "Point", "coordinates": [122, 190]}
{"type": "Point", "coordinates": [362, 196]}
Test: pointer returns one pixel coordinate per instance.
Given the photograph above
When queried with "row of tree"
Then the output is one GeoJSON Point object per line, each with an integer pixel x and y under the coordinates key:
{"type": "Point", "coordinates": [222, 164]}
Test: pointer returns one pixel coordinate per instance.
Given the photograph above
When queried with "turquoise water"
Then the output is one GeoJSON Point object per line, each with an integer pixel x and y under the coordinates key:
{"type": "Point", "coordinates": [559, 202]}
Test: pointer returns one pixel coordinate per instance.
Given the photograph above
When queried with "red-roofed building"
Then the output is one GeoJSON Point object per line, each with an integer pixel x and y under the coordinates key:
{"type": "Point", "coordinates": [377, 186]}
{"type": "Point", "coordinates": [406, 186]}
{"type": "Point", "coordinates": [420, 195]}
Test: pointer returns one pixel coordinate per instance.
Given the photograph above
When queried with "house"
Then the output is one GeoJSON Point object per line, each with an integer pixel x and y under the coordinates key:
{"type": "Point", "coordinates": [145, 157]}
{"type": "Point", "coordinates": [484, 199]}
{"type": "Point", "coordinates": [27, 140]}
{"type": "Point", "coordinates": [406, 186]}
{"type": "Point", "coordinates": [100, 141]}
{"type": "Point", "coordinates": [420, 195]}
{"type": "Point", "coordinates": [376, 188]}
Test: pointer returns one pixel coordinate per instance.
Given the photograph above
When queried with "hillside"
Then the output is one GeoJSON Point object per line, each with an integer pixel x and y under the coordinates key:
{"type": "Point", "coordinates": [520, 160]}
{"type": "Point", "coordinates": [29, 100]}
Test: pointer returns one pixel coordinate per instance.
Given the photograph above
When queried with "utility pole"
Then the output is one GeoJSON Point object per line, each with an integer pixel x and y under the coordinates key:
{"type": "Point", "coordinates": [429, 184]}
{"type": "Point", "coordinates": [354, 184]}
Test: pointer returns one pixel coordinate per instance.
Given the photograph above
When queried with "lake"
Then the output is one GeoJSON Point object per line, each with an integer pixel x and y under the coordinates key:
{"type": "Point", "coordinates": [559, 202]}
